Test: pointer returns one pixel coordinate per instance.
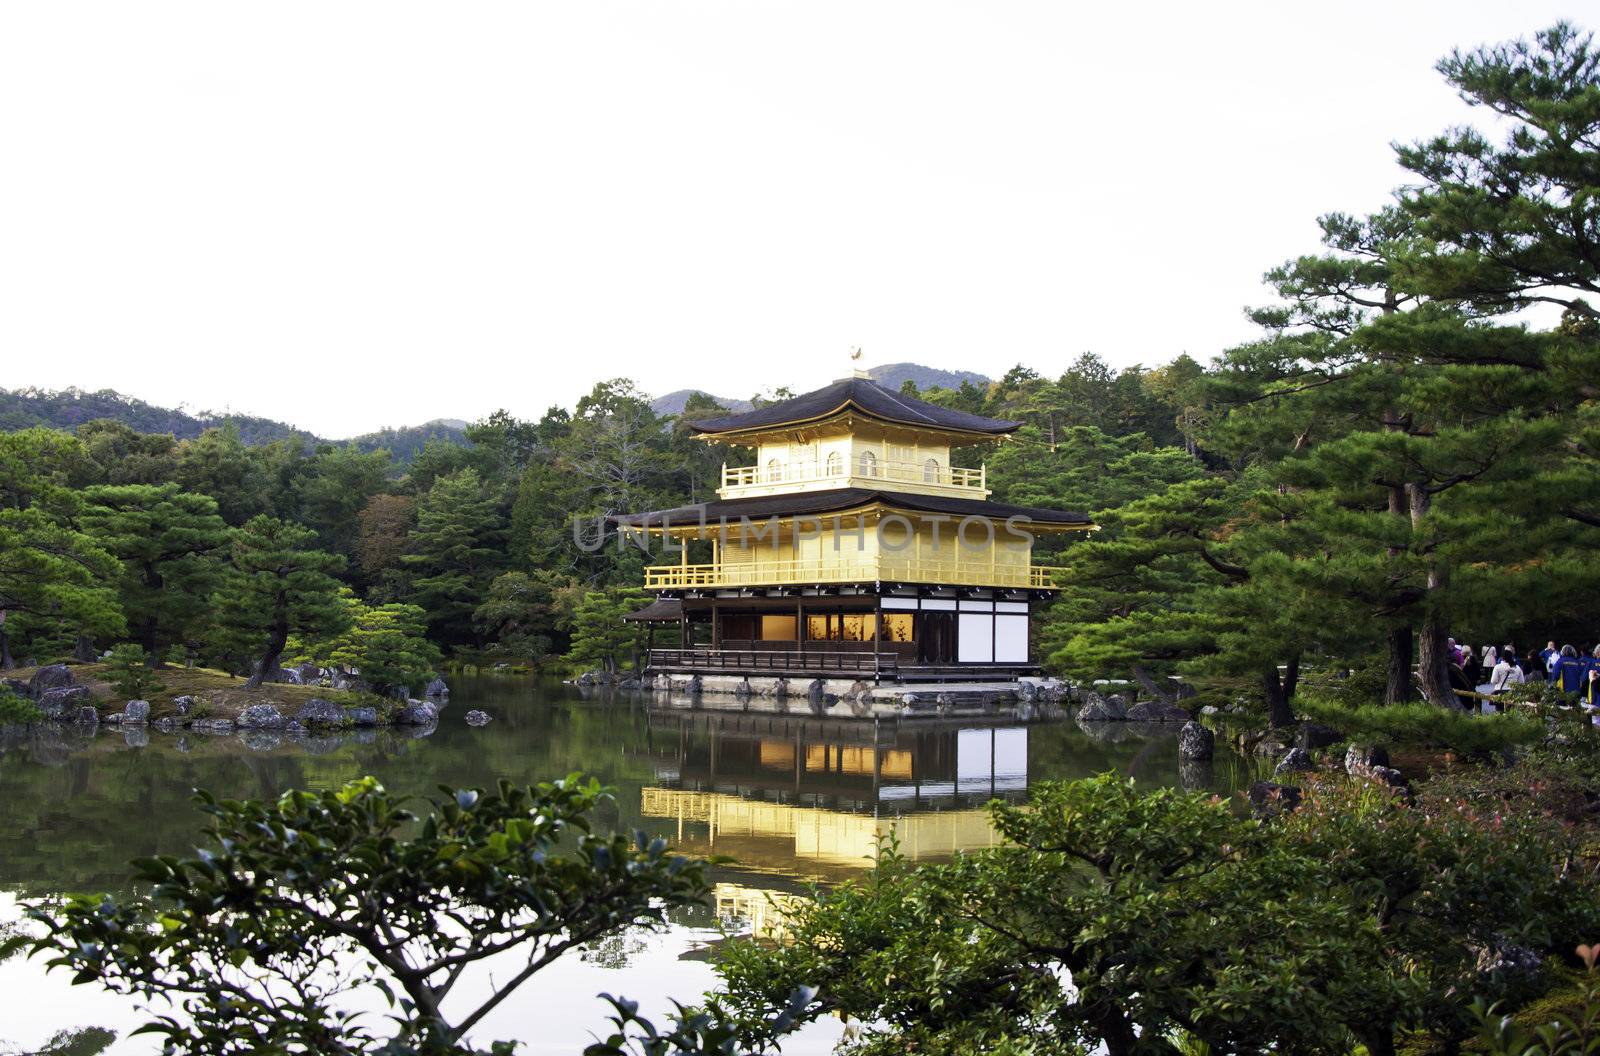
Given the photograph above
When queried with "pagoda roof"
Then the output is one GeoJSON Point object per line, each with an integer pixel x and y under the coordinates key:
{"type": "Point", "coordinates": [867, 397]}
{"type": "Point", "coordinates": [840, 500]}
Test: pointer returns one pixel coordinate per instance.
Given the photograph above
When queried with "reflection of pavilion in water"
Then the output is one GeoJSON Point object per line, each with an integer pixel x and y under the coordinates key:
{"type": "Point", "coordinates": [809, 797]}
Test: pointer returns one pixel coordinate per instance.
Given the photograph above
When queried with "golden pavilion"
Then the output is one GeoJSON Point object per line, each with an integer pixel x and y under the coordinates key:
{"type": "Point", "coordinates": [851, 547]}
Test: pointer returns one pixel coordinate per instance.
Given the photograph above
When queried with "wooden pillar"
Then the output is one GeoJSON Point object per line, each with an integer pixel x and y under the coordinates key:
{"type": "Point", "coordinates": [716, 627]}
{"type": "Point", "coordinates": [877, 636]}
{"type": "Point", "coordinates": [799, 626]}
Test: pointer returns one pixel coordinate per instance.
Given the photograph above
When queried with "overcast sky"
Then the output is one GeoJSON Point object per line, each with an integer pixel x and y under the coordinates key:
{"type": "Point", "coordinates": [350, 215]}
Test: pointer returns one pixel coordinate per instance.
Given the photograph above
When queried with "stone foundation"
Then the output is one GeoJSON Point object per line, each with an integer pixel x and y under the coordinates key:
{"type": "Point", "coordinates": [1025, 699]}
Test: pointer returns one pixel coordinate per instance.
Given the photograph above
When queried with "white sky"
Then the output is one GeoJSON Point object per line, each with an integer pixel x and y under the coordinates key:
{"type": "Point", "coordinates": [350, 215]}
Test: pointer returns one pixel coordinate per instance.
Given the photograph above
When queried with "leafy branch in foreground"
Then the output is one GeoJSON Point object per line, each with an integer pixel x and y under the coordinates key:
{"type": "Point", "coordinates": [258, 941]}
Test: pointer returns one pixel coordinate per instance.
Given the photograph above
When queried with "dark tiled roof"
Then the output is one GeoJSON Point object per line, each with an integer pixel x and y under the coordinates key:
{"type": "Point", "coordinates": [657, 611]}
{"type": "Point", "coordinates": [838, 500]}
{"type": "Point", "coordinates": [869, 397]}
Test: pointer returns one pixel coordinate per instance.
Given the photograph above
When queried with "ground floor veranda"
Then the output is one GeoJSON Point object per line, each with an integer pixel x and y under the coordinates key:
{"type": "Point", "coordinates": [917, 634]}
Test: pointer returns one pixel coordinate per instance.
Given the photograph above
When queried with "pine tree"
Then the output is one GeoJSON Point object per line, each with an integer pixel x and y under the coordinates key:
{"type": "Point", "coordinates": [599, 637]}
{"type": "Point", "coordinates": [456, 550]}
{"type": "Point", "coordinates": [167, 540]}
{"type": "Point", "coordinates": [279, 585]}
{"type": "Point", "coordinates": [51, 573]}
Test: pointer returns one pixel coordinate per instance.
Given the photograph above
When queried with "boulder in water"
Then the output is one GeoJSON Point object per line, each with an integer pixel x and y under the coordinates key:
{"type": "Point", "coordinates": [477, 718]}
{"type": "Point", "coordinates": [1196, 742]}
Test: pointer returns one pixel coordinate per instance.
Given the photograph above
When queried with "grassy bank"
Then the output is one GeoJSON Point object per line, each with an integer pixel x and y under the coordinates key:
{"type": "Point", "coordinates": [217, 694]}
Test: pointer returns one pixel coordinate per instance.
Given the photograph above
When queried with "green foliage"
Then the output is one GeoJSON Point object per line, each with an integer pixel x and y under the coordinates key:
{"type": "Point", "coordinates": [1123, 919]}
{"type": "Point", "coordinates": [525, 613]}
{"type": "Point", "coordinates": [53, 576]}
{"type": "Point", "coordinates": [129, 672]}
{"type": "Point", "coordinates": [1420, 724]}
{"type": "Point", "coordinates": [1570, 1028]}
{"type": "Point", "coordinates": [17, 711]}
{"type": "Point", "coordinates": [454, 553]}
{"type": "Point", "coordinates": [294, 903]}
{"type": "Point", "coordinates": [278, 586]}
{"type": "Point", "coordinates": [167, 540]}
{"type": "Point", "coordinates": [385, 643]}
{"type": "Point", "coordinates": [599, 637]}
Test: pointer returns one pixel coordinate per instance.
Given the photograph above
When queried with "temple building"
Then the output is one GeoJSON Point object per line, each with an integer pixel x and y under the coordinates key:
{"type": "Point", "coordinates": [851, 547]}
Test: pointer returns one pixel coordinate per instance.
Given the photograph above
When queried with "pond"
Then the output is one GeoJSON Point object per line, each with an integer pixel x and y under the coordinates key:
{"type": "Point", "coordinates": [792, 799]}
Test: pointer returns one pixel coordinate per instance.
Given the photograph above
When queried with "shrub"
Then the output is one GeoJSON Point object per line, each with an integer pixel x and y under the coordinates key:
{"type": "Point", "coordinates": [128, 669]}
{"type": "Point", "coordinates": [17, 711]}
{"type": "Point", "coordinates": [1422, 725]}
{"type": "Point", "coordinates": [259, 939]}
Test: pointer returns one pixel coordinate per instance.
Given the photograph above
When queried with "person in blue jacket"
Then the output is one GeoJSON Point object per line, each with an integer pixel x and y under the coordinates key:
{"type": "Point", "coordinates": [1569, 671]}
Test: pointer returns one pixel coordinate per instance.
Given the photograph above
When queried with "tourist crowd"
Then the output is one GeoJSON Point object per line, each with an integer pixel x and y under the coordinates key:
{"type": "Point", "coordinates": [1495, 668]}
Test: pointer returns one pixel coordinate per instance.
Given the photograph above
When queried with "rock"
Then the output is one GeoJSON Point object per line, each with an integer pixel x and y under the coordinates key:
{"type": "Point", "coordinates": [1269, 743]}
{"type": "Point", "coordinates": [17, 686]}
{"type": "Point", "coordinates": [419, 714]}
{"type": "Point", "coordinates": [260, 717]}
{"type": "Point", "coordinates": [437, 690]}
{"type": "Point", "coordinates": [1211, 709]}
{"type": "Point", "coordinates": [1317, 735]}
{"type": "Point", "coordinates": [319, 712]}
{"type": "Point", "coordinates": [588, 678]}
{"type": "Point", "coordinates": [136, 712]}
{"type": "Point", "coordinates": [780, 688]}
{"type": "Point", "coordinates": [361, 716]}
{"type": "Point", "coordinates": [88, 716]}
{"type": "Point", "coordinates": [1509, 964]}
{"type": "Point", "coordinates": [1295, 760]}
{"type": "Point", "coordinates": [695, 685]}
{"type": "Point", "coordinates": [742, 691]}
{"type": "Point", "coordinates": [212, 726]}
{"type": "Point", "coordinates": [166, 724]}
{"type": "Point", "coordinates": [183, 705]}
{"type": "Point", "coordinates": [55, 676]}
{"type": "Point", "coordinates": [1102, 709]}
{"type": "Point", "coordinates": [1158, 711]}
{"type": "Point", "coordinates": [309, 673]}
{"type": "Point", "coordinates": [1359, 759]}
{"type": "Point", "coordinates": [629, 684]}
{"type": "Point", "coordinates": [61, 702]}
{"type": "Point", "coordinates": [1388, 775]}
{"type": "Point", "coordinates": [477, 718]}
{"type": "Point", "coordinates": [1196, 742]}
{"type": "Point", "coordinates": [136, 737]}
{"type": "Point", "coordinates": [1268, 798]}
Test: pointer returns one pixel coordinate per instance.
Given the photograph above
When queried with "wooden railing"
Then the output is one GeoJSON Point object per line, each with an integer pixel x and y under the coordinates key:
{"type": "Point", "coordinates": [888, 569]}
{"type": "Point", "coordinates": [772, 660]}
{"type": "Point", "coordinates": [904, 472]}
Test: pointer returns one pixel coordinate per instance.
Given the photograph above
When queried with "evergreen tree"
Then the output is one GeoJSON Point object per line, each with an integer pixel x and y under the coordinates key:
{"type": "Point", "coordinates": [456, 551]}
{"type": "Point", "coordinates": [52, 575]}
{"type": "Point", "coordinates": [279, 585]}
{"type": "Point", "coordinates": [166, 539]}
{"type": "Point", "coordinates": [387, 644]}
{"type": "Point", "coordinates": [526, 613]}
{"type": "Point", "coordinates": [599, 637]}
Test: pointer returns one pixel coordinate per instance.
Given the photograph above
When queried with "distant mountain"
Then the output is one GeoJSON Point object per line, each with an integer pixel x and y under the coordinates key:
{"type": "Point", "coordinates": [894, 375]}
{"type": "Point", "coordinates": [673, 402]}
{"type": "Point", "coordinates": [70, 408]}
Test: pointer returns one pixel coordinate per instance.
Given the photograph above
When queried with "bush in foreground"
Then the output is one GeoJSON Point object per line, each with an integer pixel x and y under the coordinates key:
{"type": "Point", "coordinates": [259, 939]}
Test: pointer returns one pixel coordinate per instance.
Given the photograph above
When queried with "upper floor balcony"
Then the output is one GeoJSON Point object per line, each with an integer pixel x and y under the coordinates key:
{"type": "Point", "coordinates": [865, 470]}
{"type": "Point", "coordinates": [955, 570]}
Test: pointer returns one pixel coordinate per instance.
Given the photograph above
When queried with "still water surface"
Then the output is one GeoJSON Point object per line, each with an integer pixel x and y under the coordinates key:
{"type": "Point", "coordinates": [791, 798]}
